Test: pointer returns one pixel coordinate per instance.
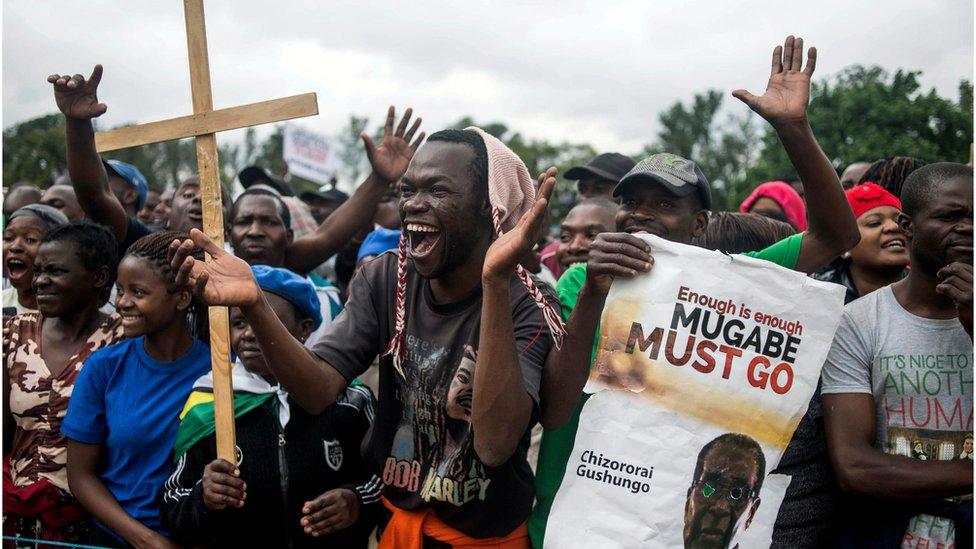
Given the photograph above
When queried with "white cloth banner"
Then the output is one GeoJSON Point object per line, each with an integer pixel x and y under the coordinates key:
{"type": "Point", "coordinates": [706, 366]}
{"type": "Point", "coordinates": [309, 155]}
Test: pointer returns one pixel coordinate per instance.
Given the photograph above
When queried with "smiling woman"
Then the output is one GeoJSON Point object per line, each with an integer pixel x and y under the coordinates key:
{"type": "Point", "coordinates": [123, 414]}
{"type": "Point", "coordinates": [881, 256]}
{"type": "Point", "coordinates": [44, 352]}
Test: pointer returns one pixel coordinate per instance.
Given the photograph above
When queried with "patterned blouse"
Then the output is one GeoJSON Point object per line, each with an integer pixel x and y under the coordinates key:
{"type": "Point", "coordinates": [39, 400]}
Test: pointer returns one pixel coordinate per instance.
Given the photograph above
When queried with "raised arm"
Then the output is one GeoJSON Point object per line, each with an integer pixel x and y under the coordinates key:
{"type": "Point", "coordinates": [78, 101]}
{"type": "Point", "coordinates": [832, 229]}
{"type": "Point", "coordinates": [227, 280]}
{"type": "Point", "coordinates": [389, 161]}
{"type": "Point", "coordinates": [860, 468]}
{"type": "Point", "coordinates": [501, 406]}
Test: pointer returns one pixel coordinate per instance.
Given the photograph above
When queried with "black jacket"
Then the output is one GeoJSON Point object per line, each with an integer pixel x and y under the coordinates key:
{"type": "Point", "coordinates": [283, 469]}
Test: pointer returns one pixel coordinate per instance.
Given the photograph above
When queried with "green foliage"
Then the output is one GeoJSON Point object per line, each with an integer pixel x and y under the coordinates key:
{"type": "Point", "coordinates": [351, 154]}
{"type": "Point", "coordinates": [863, 113]}
{"type": "Point", "coordinates": [34, 150]}
{"type": "Point", "coordinates": [721, 150]}
{"type": "Point", "coordinates": [866, 113]}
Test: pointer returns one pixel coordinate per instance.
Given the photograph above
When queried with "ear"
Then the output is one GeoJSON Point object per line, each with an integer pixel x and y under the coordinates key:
{"type": "Point", "coordinates": [130, 196]}
{"type": "Point", "coordinates": [101, 277]}
{"type": "Point", "coordinates": [752, 513]}
{"type": "Point", "coordinates": [184, 298]}
{"type": "Point", "coordinates": [290, 236]}
{"type": "Point", "coordinates": [905, 224]}
{"type": "Point", "coordinates": [304, 330]}
{"type": "Point", "coordinates": [485, 211]}
{"type": "Point", "coordinates": [701, 223]}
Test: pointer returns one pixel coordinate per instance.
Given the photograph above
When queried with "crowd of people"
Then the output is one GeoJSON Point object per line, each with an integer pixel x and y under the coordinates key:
{"type": "Point", "coordinates": [358, 323]}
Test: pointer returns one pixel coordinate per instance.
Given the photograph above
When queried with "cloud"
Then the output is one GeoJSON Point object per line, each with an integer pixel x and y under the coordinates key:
{"type": "Point", "coordinates": [578, 71]}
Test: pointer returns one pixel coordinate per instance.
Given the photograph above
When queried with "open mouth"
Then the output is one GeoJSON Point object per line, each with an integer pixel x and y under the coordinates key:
{"type": "Point", "coordinates": [130, 319]}
{"type": "Point", "coordinates": [17, 268]}
{"type": "Point", "coordinates": [574, 260]}
{"type": "Point", "coordinates": [895, 244]}
{"type": "Point", "coordinates": [423, 239]}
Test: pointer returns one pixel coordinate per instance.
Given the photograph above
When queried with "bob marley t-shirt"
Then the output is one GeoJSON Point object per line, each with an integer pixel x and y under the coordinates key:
{"type": "Point", "coordinates": [422, 442]}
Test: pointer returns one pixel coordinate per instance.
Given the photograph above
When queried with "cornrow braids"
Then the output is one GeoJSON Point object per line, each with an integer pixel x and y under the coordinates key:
{"type": "Point", "coordinates": [892, 172]}
{"type": "Point", "coordinates": [154, 249]}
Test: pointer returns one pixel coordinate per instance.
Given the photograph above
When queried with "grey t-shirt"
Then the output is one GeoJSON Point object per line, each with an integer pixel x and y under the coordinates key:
{"type": "Point", "coordinates": [920, 372]}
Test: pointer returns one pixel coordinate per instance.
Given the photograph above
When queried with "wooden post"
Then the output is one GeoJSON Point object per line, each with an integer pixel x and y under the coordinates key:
{"type": "Point", "coordinates": [213, 225]}
{"type": "Point", "coordinates": [202, 125]}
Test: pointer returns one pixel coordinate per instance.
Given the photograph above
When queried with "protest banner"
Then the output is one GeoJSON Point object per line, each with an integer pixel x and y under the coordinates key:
{"type": "Point", "coordinates": [309, 155]}
{"type": "Point", "coordinates": [706, 366]}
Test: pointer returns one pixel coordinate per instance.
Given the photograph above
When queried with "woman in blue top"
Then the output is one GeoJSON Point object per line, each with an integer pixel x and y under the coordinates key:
{"type": "Point", "coordinates": [124, 413]}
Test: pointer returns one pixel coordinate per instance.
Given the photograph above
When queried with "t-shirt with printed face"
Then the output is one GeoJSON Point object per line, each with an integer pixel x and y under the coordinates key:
{"type": "Point", "coordinates": [422, 443]}
{"type": "Point", "coordinates": [920, 372]}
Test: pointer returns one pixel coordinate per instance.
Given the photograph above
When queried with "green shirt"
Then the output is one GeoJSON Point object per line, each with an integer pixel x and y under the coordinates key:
{"type": "Point", "coordinates": [557, 444]}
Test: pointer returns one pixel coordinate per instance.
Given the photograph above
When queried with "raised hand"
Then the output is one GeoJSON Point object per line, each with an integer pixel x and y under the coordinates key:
{"type": "Point", "coordinates": [331, 511]}
{"type": "Point", "coordinates": [391, 158]}
{"type": "Point", "coordinates": [788, 89]}
{"type": "Point", "coordinates": [507, 250]}
{"type": "Point", "coordinates": [226, 280]}
{"type": "Point", "coordinates": [613, 255]}
{"type": "Point", "coordinates": [956, 283]}
{"type": "Point", "coordinates": [222, 486]}
{"type": "Point", "coordinates": [77, 97]}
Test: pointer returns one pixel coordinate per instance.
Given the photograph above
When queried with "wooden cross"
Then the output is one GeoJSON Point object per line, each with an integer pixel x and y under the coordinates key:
{"type": "Point", "coordinates": [203, 124]}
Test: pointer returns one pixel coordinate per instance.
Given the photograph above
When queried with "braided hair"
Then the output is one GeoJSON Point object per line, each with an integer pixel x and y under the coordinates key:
{"type": "Point", "coordinates": [892, 172]}
{"type": "Point", "coordinates": [481, 168]}
{"type": "Point", "coordinates": [154, 249]}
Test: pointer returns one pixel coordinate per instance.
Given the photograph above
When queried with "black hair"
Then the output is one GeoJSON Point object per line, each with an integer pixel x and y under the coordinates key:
{"type": "Point", "coordinates": [283, 210]}
{"type": "Point", "coordinates": [94, 244]}
{"type": "Point", "coordinates": [892, 172]}
{"type": "Point", "coordinates": [738, 441]}
{"type": "Point", "coordinates": [479, 167]}
{"type": "Point", "coordinates": [922, 185]}
{"type": "Point", "coordinates": [154, 249]}
{"type": "Point", "coordinates": [608, 205]}
{"type": "Point", "coordinates": [736, 233]}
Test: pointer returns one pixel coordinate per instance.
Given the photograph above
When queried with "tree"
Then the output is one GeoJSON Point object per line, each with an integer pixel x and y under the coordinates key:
{"type": "Point", "coordinates": [867, 113]}
{"type": "Point", "coordinates": [722, 151]}
{"type": "Point", "coordinates": [34, 150]}
{"type": "Point", "coordinates": [351, 154]}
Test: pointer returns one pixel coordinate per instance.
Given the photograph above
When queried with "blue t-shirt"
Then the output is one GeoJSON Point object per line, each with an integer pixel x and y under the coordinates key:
{"type": "Point", "coordinates": [130, 403]}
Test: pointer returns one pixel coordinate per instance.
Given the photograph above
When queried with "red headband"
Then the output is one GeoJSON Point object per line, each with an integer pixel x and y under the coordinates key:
{"type": "Point", "coordinates": [868, 196]}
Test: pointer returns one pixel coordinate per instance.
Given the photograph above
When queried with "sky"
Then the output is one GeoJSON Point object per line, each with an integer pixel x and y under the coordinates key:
{"type": "Point", "coordinates": [597, 72]}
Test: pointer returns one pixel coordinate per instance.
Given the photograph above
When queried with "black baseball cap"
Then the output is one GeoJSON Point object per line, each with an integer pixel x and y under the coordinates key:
{"type": "Point", "coordinates": [610, 166]}
{"type": "Point", "coordinates": [679, 175]}
{"type": "Point", "coordinates": [325, 193]}
{"type": "Point", "coordinates": [256, 174]}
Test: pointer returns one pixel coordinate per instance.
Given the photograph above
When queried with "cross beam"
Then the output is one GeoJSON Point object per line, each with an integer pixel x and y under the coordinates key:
{"type": "Point", "coordinates": [264, 112]}
{"type": "Point", "coordinates": [202, 125]}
